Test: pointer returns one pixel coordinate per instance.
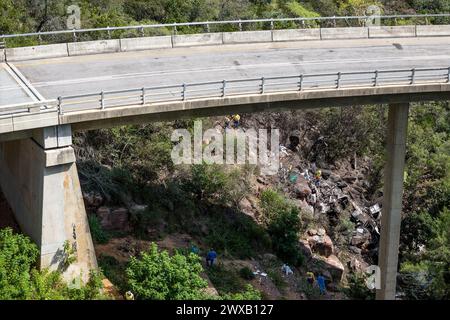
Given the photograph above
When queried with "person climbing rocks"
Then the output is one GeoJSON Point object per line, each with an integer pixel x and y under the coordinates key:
{"type": "Point", "coordinates": [321, 284]}
{"type": "Point", "coordinates": [195, 249]}
{"type": "Point", "coordinates": [317, 177]}
{"type": "Point", "coordinates": [236, 119]}
{"type": "Point", "coordinates": [210, 257]}
{"type": "Point", "coordinates": [310, 278]}
{"type": "Point", "coordinates": [313, 197]}
{"type": "Point", "coordinates": [286, 269]}
{"type": "Point", "coordinates": [228, 121]}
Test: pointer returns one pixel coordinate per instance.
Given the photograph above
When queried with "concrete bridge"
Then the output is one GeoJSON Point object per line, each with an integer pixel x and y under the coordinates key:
{"type": "Point", "coordinates": [49, 91]}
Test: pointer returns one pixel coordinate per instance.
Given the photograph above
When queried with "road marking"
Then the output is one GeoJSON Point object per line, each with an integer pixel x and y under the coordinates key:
{"type": "Point", "coordinates": [24, 80]}
{"type": "Point", "coordinates": [19, 81]}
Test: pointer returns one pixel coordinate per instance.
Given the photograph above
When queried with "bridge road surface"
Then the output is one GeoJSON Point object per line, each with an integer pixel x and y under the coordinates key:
{"type": "Point", "coordinates": [12, 91]}
{"type": "Point", "coordinates": [129, 70]}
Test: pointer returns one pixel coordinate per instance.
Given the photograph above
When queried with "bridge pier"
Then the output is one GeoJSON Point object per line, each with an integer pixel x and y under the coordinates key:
{"type": "Point", "coordinates": [39, 178]}
{"type": "Point", "coordinates": [392, 199]}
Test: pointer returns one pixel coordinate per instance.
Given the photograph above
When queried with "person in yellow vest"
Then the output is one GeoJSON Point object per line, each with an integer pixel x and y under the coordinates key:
{"type": "Point", "coordinates": [129, 295]}
{"type": "Point", "coordinates": [236, 118]}
{"type": "Point", "coordinates": [310, 278]}
{"type": "Point", "coordinates": [318, 176]}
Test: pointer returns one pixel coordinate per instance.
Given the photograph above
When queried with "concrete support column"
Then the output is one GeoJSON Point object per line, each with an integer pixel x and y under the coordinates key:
{"type": "Point", "coordinates": [39, 178]}
{"type": "Point", "coordinates": [392, 199]}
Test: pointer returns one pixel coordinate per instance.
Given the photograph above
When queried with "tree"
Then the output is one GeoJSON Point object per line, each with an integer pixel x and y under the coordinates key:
{"type": "Point", "coordinates": [159, 276]}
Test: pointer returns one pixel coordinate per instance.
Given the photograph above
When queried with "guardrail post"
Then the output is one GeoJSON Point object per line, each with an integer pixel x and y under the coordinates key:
{"type": "Point", "coordinates": [183, 92]}
{"type": "Point", "coordinates": [60, 107]}
{"type": "Point", "coordinates": [300, 83]}
{"type": "Point", "coordinates": [413, 74]}
{"type": "Point", "coordinates": [262, 85]}
{"type": "Point", "coordinates": [240, 25]}
{"type": "Point", "coordinates": [175, 28]}
{"type": "Point", "coordinates": [102, 100]}
{"type": "Point", "coordinates": [143, 95]}
{"type": "Point", "coordinates": [39, 37]}
{"type": "Point", "coordinates": [224, 83]}
{"type": "Point", "coordinates": [338, 80]}
{"type": "Point", "coordinates": [74, 36]}
{"type": "Point", "coordinates": [141, 29]}
{"type": "Point", "coordinates": [207, 27]}
{"type": "Point", "coordinates": [109, 32]}
{"type": "Point", "coordinates": [334, 21]}
{"type": "Point", "coordinates": [375, 81]}
{"type": "Point", "coordinates": [271, 24]}
{"type": "Point", "coordinates": [303, 23]}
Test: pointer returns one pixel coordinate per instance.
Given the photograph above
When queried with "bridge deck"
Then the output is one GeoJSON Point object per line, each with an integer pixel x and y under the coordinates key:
{"type": "Point", "coordinates": [94, 73]}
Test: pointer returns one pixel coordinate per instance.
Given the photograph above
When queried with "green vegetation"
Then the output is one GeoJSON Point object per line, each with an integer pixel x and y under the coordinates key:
{"type": "Point", "coordinates": [246, 273]}
{"type": "Point", "coordinates": [19, 278]}
{"type": "Point", "coordinates": [357, 288]}
{"type": "Point", "coordinates": [159, 276]}
{"type": "Point", "coordinates": [283, 225]}
{"type": "Point", "coordinates": [98, 234]}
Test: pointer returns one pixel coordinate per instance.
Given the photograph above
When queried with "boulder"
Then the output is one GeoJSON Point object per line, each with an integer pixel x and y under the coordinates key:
{"type": "Point", "coordinates": [335, 267]}
{"type": "Point", "coordinates": [324, 246]}
{"type": "Point", "coordinates": [305, 249]}
{"type": "Point", "coordinates": [360, 239]}
{"type": "Point", "coordinates": [301, 188]}
{"type": "Point", "coordinates": [320, 243]}
{"type": "Point", "coordinates": [119, 219]}
{"type": "Point", "coordinates": [103, 214]}
{"type": "Point", "coordinates": [349, 179]}
{"type": "Point", "coordinates": [92, 199]}
{"type": "Point", "coordinates": [326, 174]}
{"type": "Point", "coordinates": [116, 219]}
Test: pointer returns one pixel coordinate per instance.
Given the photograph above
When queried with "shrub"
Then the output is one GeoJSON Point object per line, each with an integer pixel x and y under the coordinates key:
{"type": "Point", "coordinates": [357, 288]}
{"type": "Point", "coordinates": [225, 280]}
{"type": "Point", "coordinates": [246, 273]}
{"type": "Point", "coordinates": [17, 257]}
{"type": "Point", "coordinates": [19, 278]}
{"type": "Point", "coordinates": [250, 293]}
{"type": "Point", "coordinates": [98, 234]}
{"type": "Point", "coordinates": [156, 275]}
{"type": "Point", "coordinates": [283, 231]}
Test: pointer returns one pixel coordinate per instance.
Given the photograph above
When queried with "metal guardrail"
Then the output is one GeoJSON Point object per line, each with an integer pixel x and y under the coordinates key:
{"type": "Point", "coordinates": [239, 87]}
{"type": "Point", "coordinates": [332, 21]}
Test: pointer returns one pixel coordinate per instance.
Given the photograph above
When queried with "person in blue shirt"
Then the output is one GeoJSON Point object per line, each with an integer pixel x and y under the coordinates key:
{"type": "Point", "coordinates": [210, 257]}
{"type": "Point", "coordinates": [321, 284]}
{"type": "Point", "coordinates": [195, 249]}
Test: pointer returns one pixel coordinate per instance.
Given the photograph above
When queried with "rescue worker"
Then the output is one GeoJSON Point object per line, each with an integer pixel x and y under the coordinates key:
{"type": "Point", "coordinates": [317, 177]}
{"type": "Point", "coordinates": [236, 119]}
{"type": "Point", "coordinates": [310, 278]}
{"type": "Point", "coordinates": [321, 284]}
{"type": "Point", "coordinates": [129, 295]}
{"type": "Point", "coordinates": [210, 257]}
